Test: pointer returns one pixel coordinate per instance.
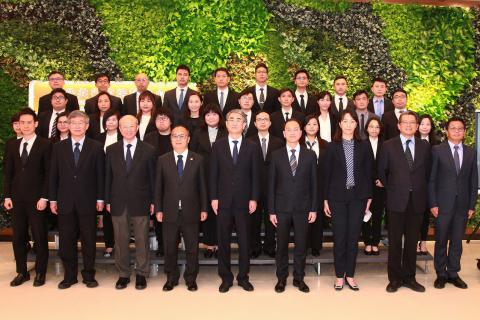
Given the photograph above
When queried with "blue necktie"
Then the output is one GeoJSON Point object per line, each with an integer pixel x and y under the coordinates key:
{"type": "Point", "coordinates": [76, 153]}
{"type": "Point", "coordinates": [180, 165]}
{"type": "Point", "coordinates": [235, 152]}
{"type": "Point", "coordinates": [128, 158]}
{"type": "Point", "coordinates": [293, 162]}
{"type": "Point", "coordinates": [180, 100]}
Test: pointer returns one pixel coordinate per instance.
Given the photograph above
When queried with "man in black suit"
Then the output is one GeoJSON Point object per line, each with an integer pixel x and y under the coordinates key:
{"type": "Point", "coordinates": [304, 102]}
{"type": "Point", "coordinates": [268, 143]}
{"type": "Point", "coordinates": [176, 99]}
{"type": "Point", "coordinates": [246, 100]}
{"type": "Point", "coordinates": [279, 118]}
{"type": "Point", "coordinates": [292, 199]}
{"type": "Point", "coordinates": [235, 165]}
{"type": "Point", "coordinates": [181, 203]}
{"type": "Point", "coordinates": [47, 121]}
{"type": "Point", "coordinates": [265, 96]}
{"type": "Point", "coordinates": [26, 190]}
{"type": "Point", "coordinates": [340, 100]}
{"type": "Point", "coordinates": [56, 80]}
{"type": "Point", "coordinates": [131, 103]}
{"type": "Point", "coordinates": [390, 119]}
{"type": "Point", "coordinates": [129, 186]}
{"type": "Point", "coordinates": [223, 96]}
{"type": "Point", "coordinates": [452, 197]}
{"type": "Point", "coordinates": [360, 99]}
{"type": "Point", "coordinates": [102, 82]}
{"type": "Point", "coordinates": [379, 103]}
{"type": "Point", "coordinates": [403, 169]}
{"type": "Point", "coordinates": [76, 194]}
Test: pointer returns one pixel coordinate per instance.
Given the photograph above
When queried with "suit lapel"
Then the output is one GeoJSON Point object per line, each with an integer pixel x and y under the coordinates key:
{"type": "Point", "coordinates": [286, 159]}
{"type": "Point", "coordinates": [69, 152]}
{"type": "Point", "coordinates": [448, 154]}
{"type": "Point", "coordinates": [467, 155]}
{"type": "Point", "coordinates": [137, 155]}
{"type": "Point", "coordinates": [341, 155]}
{"type": "Point", "coordinates": [84, 152]}
{"type": "Point", "coordinates": [188, 163]}
{"type": "Point", "coordinates": [173, 165]}
{"type": "Point", "coordinates": [34, 149]}
{"type": "Point", "coordinates": [300, 160]}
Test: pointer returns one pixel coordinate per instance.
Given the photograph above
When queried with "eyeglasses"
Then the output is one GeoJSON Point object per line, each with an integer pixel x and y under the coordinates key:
{"type": "Point", "coordinates": [263, 119]}
{"type": "Point", "coordinates": [458, 129]}
{"type": "Point", "coordinates": [409, 123]}
{"type": "Point", "coordinates": [60, 98]}
{"type": "Point", "coordinates": [178, 136]}
{"type": "Point", "coordinates": [55, 79]}
{"type": "Point", "coordinates": [77, 123]}
{"type": "Point", "coordinates": [163, 118]}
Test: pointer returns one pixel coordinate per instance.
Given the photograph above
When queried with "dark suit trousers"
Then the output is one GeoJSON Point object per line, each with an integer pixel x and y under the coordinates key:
{"type": "Point", "coordinates": [26, 215]}
{"type": "Point", "coordinates": [121, 228]}
{"type": "Point", "coordinates": [209, 229]}
{"type": "Point", "coordinates": [449, 231]}
{"type": "Point", "coordinates": [189, 232]}
{"type": "Point", "coordinates": [158, 233]}
{"type": "Point", "coordinates": [372, 229]}
{"type": "Point", "coordinates": [299, 220]}
{"type": "Point", "coordinates": [402, 262]}
{"type": "Point", "coordinates": [226, 219]}
{"type": "Point", "coordinates": [71, 225]}
{"type": "Point", "coordinates": [256, 219]}
{"type": "Point", "coordinates": [108, 229]}
{"type": "Point", "coordinates": [425, 225]}
{"type": "Point", "coordinates": [347, 220]}
{"type": "Point", "coordinates": [315, 233]}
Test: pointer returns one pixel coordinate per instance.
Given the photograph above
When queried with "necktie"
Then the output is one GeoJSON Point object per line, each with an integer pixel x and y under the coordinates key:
{"type": "Point", "coordinates": [310, 144]}
{"type": "Point", "coordinates": [235, 152]}
{"type": "Point", "coordinates": [456, 159]}
{"type": "Point", "coordinates": [245, 130]}
{"type": "Point", "coordinates": [222, 103]}
{"type": "Point", "coordinates": [286, 116]}
{"type": "Point", "coordinates": [408, 154]}
{"type": "Point", "coordinates": [180, 165]}
{"type": "Point", "coordinates": [76, 153]}
{"type": "Point", "coordinates": [302, 102]}
{"type": "Point", "coordinates": [378, 109]}
{"type": "Point", "coordinates": [128, 158]}
{"type": "Point", "coordinates": [362, 125]}
{"type": "Point", "coordinates": [53, 133]}
{"type": "Point", "coordinates": [340, 105]}
{"type": "Point", "coordinates": [262, 98]}
{"type": "Point", "coordinates": [180, 100]}
{"type": "Point", "coordinates": [24, 154]}
{"type": "Point", "coordinates": [293, 162]}
{"type": "Point", "coordinates": [264, 148]}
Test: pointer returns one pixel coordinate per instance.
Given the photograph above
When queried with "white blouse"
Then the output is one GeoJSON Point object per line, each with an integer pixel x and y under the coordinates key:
{"type": "Point", "coordinates": [325, 128]}
{"type": "Point", "coordinates": [143, 125]}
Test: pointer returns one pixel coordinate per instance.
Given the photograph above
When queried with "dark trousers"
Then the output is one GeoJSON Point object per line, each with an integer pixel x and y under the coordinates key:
{"type": "Point", "coordinates": [226, 219]}
{"type": "Point", "coordinates": [315, 232]}
{"type": "Point", "coordinates": [158, 233]}
{"type": "Point", "coordinates": [26, 215]}
{"type": "Point", "coordinates": [372, 229]}
{"type": "Point", "coordinates": [189, 232]}
{"type": "Point", "coordinates": [139, 226]}
{"type": "Point", "coordinates": [403, 225]}
{"type": "Point", "coordinates": [449, 231]}
{"type": "Point", "coordinates": [425, 225]}
{"type": "Point", "coordinates": [299, 220]}
{"type": "Point", "coordinates": [71, 226]}
{"type": "Point", "coordinates": [209, 229]}
{"type": "Point", "coordinates": [347, 219]}
{"type": "Point", "coordinates": [261, 215]}
{"type": "Point", "coordinates": [108, 229]}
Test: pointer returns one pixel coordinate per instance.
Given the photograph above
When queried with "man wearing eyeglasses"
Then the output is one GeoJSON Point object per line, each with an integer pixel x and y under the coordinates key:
{"type": "Point", "coordinates": [390, 118]}
{"type": "Point", "coordinates": [102, 82]}
{"type": "Point", "coordinates": [56, 80]}
{"type": "Point", "coordinates": [47, 121]}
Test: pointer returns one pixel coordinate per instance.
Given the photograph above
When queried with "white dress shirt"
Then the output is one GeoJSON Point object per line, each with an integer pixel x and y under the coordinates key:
{"type": "Point", "coordinates": [315, 147]}
{"type": "Point", "coordinates": [305, 97]}
{"type": "Point", "coordinates": [285, 111]}
{"type": "Point", "coordinates": [178, 91]}
{"type": "Point", "coordinates": [132, 148]}
{"type": "Point", "coordinates": [52, 120]}
{"type": "Point", "coordinates": [411, 145]}
{"type": "Point", "coordinates": [145, 120]}
{"type": "Point", "coordinates": [374, 144]}
{"type": "Point", "coordinates": [297, 152]}
{"type": "Point", "coordinates": [325, 128]}
{"type": "Point", "coordinates": [225, 94]}
{"type": "Point", "coordinates": [460, 150]}
{"type": "Point", "coordinates": [212, 134]}
{"type": "Point", "coordinates": [109, 140]}
{"type": "Point", "coordinates": [29, 144]}
{"type": "Point", "coordinates": [336, 98]}
{"type": "Point", "coordinates": [230, 143]}
{"type": "Point", "coordinates": [257, 92]}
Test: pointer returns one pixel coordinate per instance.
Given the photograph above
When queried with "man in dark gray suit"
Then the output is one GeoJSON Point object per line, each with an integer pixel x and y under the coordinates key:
{"type": "Point", "coordinates": [176, 99]}
{"type": "Point", "coordinates": [452, 194]}
{"type": "Point", "coordinates": [360, 99]}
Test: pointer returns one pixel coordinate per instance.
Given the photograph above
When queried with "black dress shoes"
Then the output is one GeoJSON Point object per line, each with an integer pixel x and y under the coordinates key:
{"type": "Point", "coordinates": [224, 286]}
{"type": "Point", "coordinates": [19, 279]}
{"type": "Point", "coordinates": [280, 286]}
{"type": "Point", "coordinates": [255, 253]}
{"type": "Point", "coordinates": [209, 253]}
{"type": "Point", "coordinates": [393, 286]}
{"type": "Point", "coordinates": [140, 282]}
{"type": "Point", "coordinates": [458, 282]}
{"type": "Point", "coordinates": [66, 284]}
{"type": "Point", "coordinates": [269, 252]}
{"type": "Point", "coordinates": [414, 285]}
{"type": "Point", "coordinates": [192, 286]}
{"type": "Point", "coordinates": [315, 252]}
{"type": "Point", "coordinates": [246, 285]}
{"type": "Point", "coordinates": [440, 282]}
{"type": "Point", "coordinates": [169, 285]}
{"type": "Point", "coordinates": [92, 283]}
{"type": "Point", "coordinates": [122, 283]}
{"type": "Point", "coordinates": [301, 285]}
{"type": "Point", "coordinates": [39, 280]}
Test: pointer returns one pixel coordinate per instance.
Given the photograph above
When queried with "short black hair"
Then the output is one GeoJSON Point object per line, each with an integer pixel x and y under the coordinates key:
{"type": "Point", "coordinates": [340, 76]}
{"type": "Point", "coordinates": [293, 120]}
{"type": "Point", "coordinates": [55, 72]}
{"type": "Point", "coordinates": [57, 90]}
{"type": "Point", "coordinates": [380, 124]}
{"type": "Point", "coordinates": [165, 112]}
{"type": "Point", "coordinates": [182, 67]}
{"type": "Point", "coordinates": [221, 69]}
{"type": "Point", "coordinates": [378, 79]}
{"type": "Point", "coordinates": [456, 118]}
{"type": "Point", "coordinates": [27, 111]}
{"type": "Point", "coordinates": [301, 71]}
{"type": "Point", "coordinates": [261, 65]}
{"type": "Point", "coordinates": [102, 75]}
{"type": "Point", "coordinates": [323, 94]}
{"type": "Point", "coordinates": [15, 117]}
{"type": "Point", "coordinates": [399, 90]}
{"type": "Point", "coordinates": [408, 113]}
{"type": "Point", "coordinates": [360, 92]}
{"type": "Point", "coordinates": [283, 90]}
{"type": "Point", "coordinates": [244, 93]}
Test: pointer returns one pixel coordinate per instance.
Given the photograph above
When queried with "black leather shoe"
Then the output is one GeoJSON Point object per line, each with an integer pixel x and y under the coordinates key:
{"type": "Point", "coordinates": [19, 279]}
{"type": "Point", "coordinates": [169, 285]}
{"type": "Point", "coordinates": [224, 286]}
{"type": "Point", "coordinates": [209, 253]}
{"type": "Point", "coordinates": [315, 252]}
{"type": "Point", "coordinates": [192, 286]}
{"type": "Point", "coordinates": [414, 285]}
{"type": "Point", "coordinates": [255, 253]}
{"type": "Point", "coordinates": [66, 284]}
{"type": "Point", "coordinates": [39, 280]}
{"type": "Point", "coordinates": [393, 286]}
{"type": "Point", "coordinates": [122, 283]}
{"type": "Point", "coordinates": [90, 283]}
{"type": "Point", "coordinates": [246, 285]}
{"type": "Point", "coordinates": [458, 282]}
{"type": "Point", "coordinates": [140, 282]}
{"type": "Point", "coordinates": [440, 283]}
{"type": "Point", "coordinates": [301, 285]}
{"type": "Point", "coordinates": [352, 287]}
{"type": "Point", "coordinates": [280, 286]}
{"type": "Point", "coordinates": [269, 252]}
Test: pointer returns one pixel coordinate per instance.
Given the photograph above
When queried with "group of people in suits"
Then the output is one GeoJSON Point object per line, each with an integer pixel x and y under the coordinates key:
{"type": "Point", "coordinates": [229, 161]}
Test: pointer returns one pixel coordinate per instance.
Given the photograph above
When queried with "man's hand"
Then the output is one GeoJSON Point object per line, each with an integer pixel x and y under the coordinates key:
{"type": "Point", "coordinates": [152, 209]}
{"type": "Point", "coordinates": [100, 206]}
{"type": "Point", "coordinates": [326, 209]}
{"type": "Point", "coordinates": [203, 216]}
{"type": "Point", "coordinates": [41, 204]}
{"type": "Point", "coordinates": [471, 213]}
{"type": "Point", "coordinates": [273, 219]}
{"type": "Point", "coordinates": [8, 204]}
{"type": "Point", "coordinates": [215, 206]}
{"type": "Point", "coordinates": [53, 207]}
{"type": "Point", "coordinates": [252, 206]}
{"type": "Point", "coordinates": [434, 211]}
{"type": "Point", "coordinates": [159, 216]}
{"type": "Point", "coordinates": [378, 183]}
{"type": "Point", "coordinates": [108, 208]}
{"type": "Point", "coordinates": [312, 216]}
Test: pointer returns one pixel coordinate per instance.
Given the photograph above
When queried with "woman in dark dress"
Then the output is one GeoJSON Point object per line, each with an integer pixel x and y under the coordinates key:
{"type": "Point", "coordinates": [146, 115]}
{"type": "Point", "coordinates": [192, 117]}
{"type": "Point", "coordinates": [95, 125]}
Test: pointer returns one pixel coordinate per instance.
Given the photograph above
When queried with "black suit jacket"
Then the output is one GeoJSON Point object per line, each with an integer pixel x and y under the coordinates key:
{"type": "Point", "coordinates": [155, 140]}
{"type": "Point", "coordinates": [29, 182]}
{"type": "Point", "coordinates": [333, 122]}
{"type": "Point", "coordinates": [335, 171]}
{"type": "Point", "coordinates": [235, 185]}
{"type": "Point", "coordinates": [278, 122]}
{"type": "Point", "coordinates": [45, 103]}
{"type": "Point", "coordinates": [398, 179]}
{"type": "Point", "coordinates": [231, 101]}
{"type": "Point", "coordinates": [133, 190]}
{"type": "Point", "coordinates": [43, 124]}
{"type": "Point", "coordinates": [94, 126]}
{"type": "Point", "coordinates": [251, 130]}
{"type": "Point", "coordinates": [376, 157]}
{"type": "Point", "coordinates": [311, 106]}
{"type": "Point", "coordinates": [288, 193]}
{"type": "Point", "coordinates": [334, 110]}
{"type": "Point", "coordinates": [78, 187]}
{"type": "Point", "coordinates": [190, 188]}
{"type": "Point", "coordinates": [271, 103]}
{"type": "Point", "coordinates": [103, 136]}
{"type": "Point", "coordinates": [130, 103]}
{"type": "Point", "coordinates": [390, 125]}
{"type": "Point", "coordinates": [170, 102]}
{"type": "Point", "coordinates": [91, 104]}
{"type": "Point", "coordinates": [446, 188]}
{"type": "Point", "coordinates": [387, 105]}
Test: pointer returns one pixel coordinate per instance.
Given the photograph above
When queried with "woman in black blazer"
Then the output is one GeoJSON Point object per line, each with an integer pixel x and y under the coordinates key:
{"type": "Point", "coordinates": [146, 115]}
{"type": "Point", "coordinates": [62, 128]}
{"type": "Point", "coordinates": [192, 117]}
{"type": "Point", "coordinates": [325, 116]}
{"type": "Point", "coordinates": [372, 228]}
{"type": "Point", "coordinates": [95, 124]}
{"type": "Point", "coordinates": [348, 194]}
{"type": "Point", "coordinates": [212, 128]}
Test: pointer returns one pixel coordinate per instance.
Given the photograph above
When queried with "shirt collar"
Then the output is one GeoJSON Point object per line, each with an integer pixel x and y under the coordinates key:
{"type": "Point", "coordinates": [230, 140]}
{"type": "Point", "coordinates": [183, 154]}
{"type": "Point", "coordinates": [81, 141]}
{"type": "Point", "coordinates": [133, 143]}
{"type": "Point", "coordinates": [31, 141]}
{"type": "Point", "coordinates": [297, 149]}
{"type": "Point", "coordinates": [452, 145]}
{"type": "Point", "coordinates": [404, 140]}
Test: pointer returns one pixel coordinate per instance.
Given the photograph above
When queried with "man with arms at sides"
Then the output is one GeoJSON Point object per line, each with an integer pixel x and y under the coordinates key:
{"type": "Point", "coordinates": [403, 169]}
{"type": "Point", "coordinates": [292, 199]}
{"type": "Point", "coordinates": [360, 99]}
{"type": "Point", "coordinates": [129, 187]}
{"type": "Point", "coordinates": [390, 119]}
{"type": "Point", "coordinates": [180, 204]}
{"type": "Point", "coordinates": [176, 99]}
{"type": "Point", "coordinates": [279, 118]}
{"type": "Point", "coordinates": [265, 96]}
{"type": "Point", "coordinates": [131, 102]}
{"type": "Point", "coordinates": [246, 100]}
{"type": "Point", "coordinates": [102, 82]}
{"type": "Point", "coordinates": [56, 80]}
{"type": "Point", "coordinates": [379, 103]}
{"type": "Point", "coordinates": [268, 143]}
{"type": "Point", "coordinates": [452, 197]}
{"type": "Point", "coordinates": [27, 165]}
{"type": "Point", "coordinates": [47, 121]}
{"type": "Point", "coordinates": [340, 100]}
{"type": "Point", "coordinates": [235, 166]}
{"type": "Point", "coordinates": [223, 96]}
{"type": "Point", "coordinates": [76, 194]}
{"type": "Point", "coordinates": [304, 101]}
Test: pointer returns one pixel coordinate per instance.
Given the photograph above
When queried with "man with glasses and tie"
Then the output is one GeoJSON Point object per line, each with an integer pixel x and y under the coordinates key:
{"type": "Point", "coordinates": [390, 119]}
{"type": "Point", "coordinates": [404, 167]}
{"type": "Point", "coordinates": [379, 103]}
{"type": "Point", "coordinates": [265, 96]}
{"type": "Point", "coordinates": [452, 198]}
{"type": "Point", "coordinates": [76, 194]}
{"type": "Point", "coordinates": [235, 166]}
{"type": "Point", "coordinates": [56, 80]}
{"type": "Point", "coordinates": [340, 100]}
{"type": "Point", "coordinates": [47, 121]}
{"type": "Point", "coordinates": [222, 96]}
{"type": "Point", "coordinates": [246, 101]}
{"type": "Point", "coordinates": [286, 112]}
{"type": "Point", "coordinates": [304, 101]}
{"type": "Point", "coordinates": [360, 99]}
{"type": "Point", "coordinates": [176, 99]}
{"type": "Point", "coordinates": [131, 102]}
